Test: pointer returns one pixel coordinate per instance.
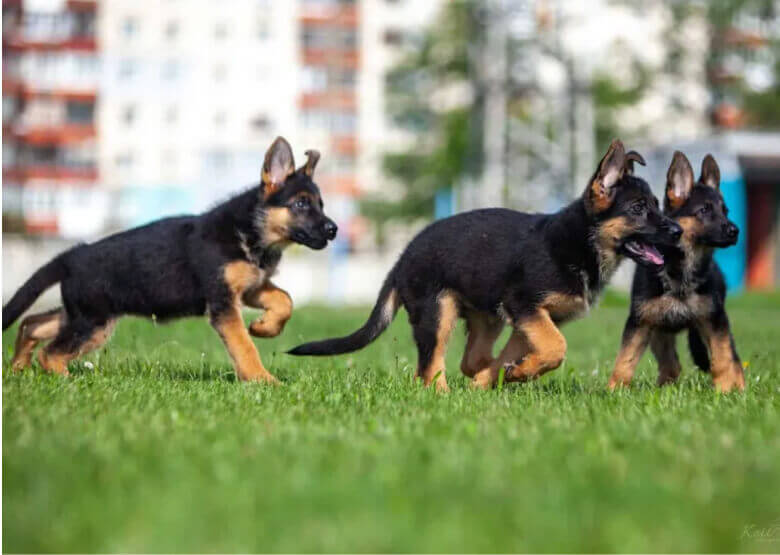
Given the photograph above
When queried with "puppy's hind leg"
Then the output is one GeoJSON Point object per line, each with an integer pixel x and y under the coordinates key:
{"type": "Point", "coordinates": [75, 338]}
{"type": "Point", "coordinates": [432, 322]}
{"type": "Point", "coordinates": [483, 331]}
{"type": "Point", "coordinates": [33, 330]}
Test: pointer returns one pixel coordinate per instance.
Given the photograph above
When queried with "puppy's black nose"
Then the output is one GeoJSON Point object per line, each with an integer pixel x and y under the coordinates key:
{"type": "Point", "coordinates": [331, 229]}
{"type": "Point", "coordinates": [731, 230]}
{"type": "Point", "coordinates": [674, 230]}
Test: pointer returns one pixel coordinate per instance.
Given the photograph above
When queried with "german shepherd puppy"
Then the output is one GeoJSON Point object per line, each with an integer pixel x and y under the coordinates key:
{"type": "Point", "coordinates": [182, 266]}
{"type": "Point", "coordinates": [532, 271]}
{"type": "Point", "coordinates": [689, 292]}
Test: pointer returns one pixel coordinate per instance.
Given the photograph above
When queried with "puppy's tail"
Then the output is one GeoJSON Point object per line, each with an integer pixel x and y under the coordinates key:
{"type": "Point", "coordinates": [383, 313]}
{"type": "Point", "coordinates": [45, 277]}
{"type": "Point", "coordinates": [698, 350]}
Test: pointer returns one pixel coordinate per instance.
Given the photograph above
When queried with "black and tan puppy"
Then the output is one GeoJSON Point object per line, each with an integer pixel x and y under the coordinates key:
{"type": "Point", "coordinates": [532, 271]}
{"type": "Point", "coordinates": [182, 266]}
{"type": "Point", "coordinates": [689, 292]}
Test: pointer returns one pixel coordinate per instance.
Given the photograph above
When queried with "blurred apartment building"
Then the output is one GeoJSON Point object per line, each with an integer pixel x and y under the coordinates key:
{"type": "Point", "coordinates": [168, 107]}
{"type": "Point", "coordinates": [50, 89]}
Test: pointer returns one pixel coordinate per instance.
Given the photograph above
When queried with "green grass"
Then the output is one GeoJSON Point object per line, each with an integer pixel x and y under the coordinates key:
{"type": "Point", "coordinates": [159, 449]}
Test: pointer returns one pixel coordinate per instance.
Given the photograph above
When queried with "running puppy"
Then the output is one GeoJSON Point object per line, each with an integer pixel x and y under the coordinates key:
{"type": "Point", "coordinates": [689, 292]}
{"type": "Point", "coordinates": [182, 266]}
{"type": "Point", "coordinates": [532, 271]}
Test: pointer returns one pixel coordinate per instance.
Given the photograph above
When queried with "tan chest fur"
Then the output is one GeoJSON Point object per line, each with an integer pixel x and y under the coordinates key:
{"type": "Point", "coordinates": [241, 276]}
{"type": "Point", "coordinates": [670, 309]}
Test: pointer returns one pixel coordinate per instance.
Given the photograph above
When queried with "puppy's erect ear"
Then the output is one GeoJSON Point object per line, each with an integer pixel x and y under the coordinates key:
{"type": "Point", "coordinates": [313, 156]}
{"type": "Point", "coordinates": [679, 180]}
{"type": "Point", "coordinates": [278, 165]}
{"type": "Point", "coordinates": [710, 172]}
{"type": "Point", "coordinates": [631, 157]}
{"type": "Point", "coordinates": [601, 190]}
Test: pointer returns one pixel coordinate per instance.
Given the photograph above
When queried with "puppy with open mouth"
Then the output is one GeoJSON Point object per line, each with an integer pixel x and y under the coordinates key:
{"type": "Point", "coordinates": [534, 272]}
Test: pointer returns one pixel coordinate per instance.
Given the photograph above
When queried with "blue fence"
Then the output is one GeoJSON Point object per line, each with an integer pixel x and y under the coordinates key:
{"type": "Point", "coordinates": [733, 261]}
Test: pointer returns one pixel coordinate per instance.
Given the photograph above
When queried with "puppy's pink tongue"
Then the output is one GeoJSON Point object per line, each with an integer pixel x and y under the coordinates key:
{"type": "Point", "coordinates": [653, 254]}
{"type": "Point", "coordinates": [648, 252]}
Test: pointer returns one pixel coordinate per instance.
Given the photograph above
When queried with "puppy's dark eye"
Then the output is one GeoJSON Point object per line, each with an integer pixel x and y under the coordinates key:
{"type": "Point", "coordinates": [706, 209]}
{"type": "Point", "coordinates": [301, 203]}
{"type": "Point", "coordinates": [638, 208]}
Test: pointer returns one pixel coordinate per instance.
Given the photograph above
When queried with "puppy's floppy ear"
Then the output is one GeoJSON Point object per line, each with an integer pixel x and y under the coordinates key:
{"type": "Point", "coordinates": [601, 190]}
{"type": "Point", "coordinates": [679, 180]}
{"type": "Point", "coordinates": [278, 165]}
{"type": "Point", "coordinates": [631, 157]}
{"type": "Point", "coordinates": [710, 172]}
{"type": "Point", "coordinates": [313, 156]}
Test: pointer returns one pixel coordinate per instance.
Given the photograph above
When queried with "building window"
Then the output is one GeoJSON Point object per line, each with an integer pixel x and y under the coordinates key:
{"type": "Point", "coordinates": [10, 107]}
{"type": "Point", "coordinates": [129, 28]}
{"type": "Point", "coordinates": [393, 37]}
{"type": "Point", "coordinates": [314, 78]}
{"type": "Point", "coordinates": [262, 28]}
{"type": "Point", "coordinates": [217, 161]}
{"type": "Point", "coordinates": [318, 78]}
{"type": "Point", "coordinates": [43, 155]}
{"type": "Point", "coordinates": [342, 78]}
{"type": "Point", "coordinates": [83, 24]}
{"type": "Point", "coordinates": [125, 161]}
{"type": "Point", "coordinates": [79, 112]}
{"type": "Point", "coordinates": [260, 123]}
{"type": "Point", "coordinates": [336, 121]}
{"type": "Point", "coordinates": [86, 66]}
{"type": "Point", "coordinates": [170, 70]}
{"type": "Point", "coordinates": [128, 115]}
{"type": "Point", "coordinates": [328, 38]}
{"type": "Point", "coordinates": [127, 69]}
{"type": "Point", "coordinates": [343, 122]}
{"type": "Point", "coordinates": [172, 30]}
{"type": "Point", "coordinates": [9, 155]}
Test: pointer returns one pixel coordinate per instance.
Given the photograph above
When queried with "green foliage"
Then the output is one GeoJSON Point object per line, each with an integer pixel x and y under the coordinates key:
{"type": "Point", "coordinates": [762, 109]}
{"type": "Point", "coordinates": [441, 149]}
{"type": "Point", "coordinates": [423, 173]}
{"type": "Point", "coordinates": [158, 449]}
{"type": "Point", "coordinates": [610, 95]}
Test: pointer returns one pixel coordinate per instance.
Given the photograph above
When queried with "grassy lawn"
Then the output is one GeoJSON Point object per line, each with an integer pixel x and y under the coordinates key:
{"type": "Point", "coordinates": [157, 448]}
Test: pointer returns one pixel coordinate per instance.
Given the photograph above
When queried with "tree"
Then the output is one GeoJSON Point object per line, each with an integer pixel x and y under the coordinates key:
{"type": "Point", "coordinates": [744, 62]}
{"type": "Point", "coordinates": [443, 148]}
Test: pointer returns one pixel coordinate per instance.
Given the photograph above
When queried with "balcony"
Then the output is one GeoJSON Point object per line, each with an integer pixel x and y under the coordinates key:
{"type": "Point", "coordinates": [340, 100]}
{"type": "Point", "coordinates": [344, 14]}
{"type": "Point", "coordinates": [62, 134]}
{"type": "Point", "coordinates": [346, 184]}
{"type": "Point", "coordinates": [71, 29]}
{"type": "Point", "coordinates": [331, 57]}
{"type": "Point", "coordinates": [86, 175]}
{"type": "Point", "coordinates": [345, 144]}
